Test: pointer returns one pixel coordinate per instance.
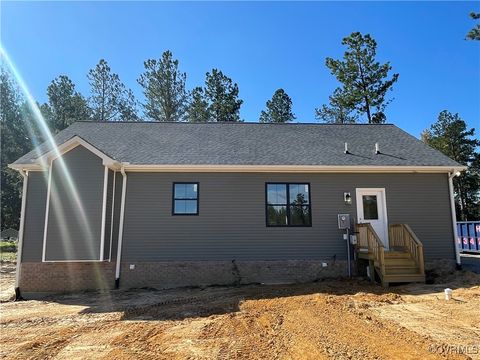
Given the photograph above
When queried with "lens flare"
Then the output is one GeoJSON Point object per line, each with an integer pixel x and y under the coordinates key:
{"type": "Point", "coordinates": [63, 179]}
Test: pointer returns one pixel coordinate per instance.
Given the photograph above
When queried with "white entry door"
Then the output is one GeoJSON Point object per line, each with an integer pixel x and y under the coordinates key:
{"type": "Point", "coordinates": [372, 208]}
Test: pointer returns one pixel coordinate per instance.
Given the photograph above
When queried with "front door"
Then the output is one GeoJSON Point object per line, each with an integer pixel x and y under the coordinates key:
{"type": "Point", "coordinates": [372, 208]}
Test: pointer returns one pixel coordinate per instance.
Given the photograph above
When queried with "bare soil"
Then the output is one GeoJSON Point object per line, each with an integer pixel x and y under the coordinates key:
{"type": "Point", "coordinates": [342, 319]}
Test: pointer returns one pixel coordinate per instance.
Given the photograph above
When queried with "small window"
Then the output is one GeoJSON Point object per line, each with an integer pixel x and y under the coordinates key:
{"type": "Point", "coordinates": [288, 204]}
{"type": "Point", "coordinates": [370, 208]}
{"type": "Point", "coordinates": [185, 199]}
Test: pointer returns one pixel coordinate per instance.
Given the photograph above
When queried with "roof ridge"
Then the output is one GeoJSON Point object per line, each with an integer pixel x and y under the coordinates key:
{"type": "Point", "coordinates": [226, 123]}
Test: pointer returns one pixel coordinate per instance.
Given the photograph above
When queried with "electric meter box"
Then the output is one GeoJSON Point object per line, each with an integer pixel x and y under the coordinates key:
{"type": "Point", "coordinates": [343, 221]}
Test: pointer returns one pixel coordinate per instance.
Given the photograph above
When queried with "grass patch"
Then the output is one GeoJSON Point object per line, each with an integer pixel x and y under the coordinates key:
{"type": "Point", "coordinates": [8, 247]}
{"type": "Point", "coordinates": [8, 251]}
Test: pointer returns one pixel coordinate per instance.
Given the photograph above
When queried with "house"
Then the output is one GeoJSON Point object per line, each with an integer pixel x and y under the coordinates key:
{"type": "Point", "coordinates": [176, 204]}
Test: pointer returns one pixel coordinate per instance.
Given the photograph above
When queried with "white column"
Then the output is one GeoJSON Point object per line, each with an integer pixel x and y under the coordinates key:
{"type": "Point", "coordinates": [120, 227]}
{"type": "Point", "coordinates": [104, 213]}
{"type": "Point", "coordinates": [454, 217]}
{"type": "Point", "coordinates": [20, 230]}
{"type": "Point", "coordinates": [47, 210]}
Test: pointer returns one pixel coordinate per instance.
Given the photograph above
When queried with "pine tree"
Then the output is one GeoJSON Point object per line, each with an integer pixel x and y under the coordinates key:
{"type": "Point", "coordinates": [198, 106]}
{"type": "Point", "coordinates": [109, 99]}
{"type": "Point", "coordinates": [164, 89]}
{"type": "Point", "coordinates": [278, 109]}
{"type": "Point", "coordinates": [15, 142]}
{"type": "Point", "coordinates": [364, 80]}
{"type": "Point", "coordinates": [221, 93]}
{"type": "Point", "coordinates": [65, 104]}
{"type": "Point", "coordinates": [474, 34]}
{"type": "Point", "coordinates": [337, 111]}
{"type": "Point", "coordinates": [451, 136]}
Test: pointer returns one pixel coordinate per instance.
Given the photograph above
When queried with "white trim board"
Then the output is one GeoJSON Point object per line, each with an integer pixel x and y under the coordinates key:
{"type": "Point", "coordinates": [112, 217]}
{"type": "Point", "coordinates": [21, 229]}
{"type": "Point", "coordinates": [255, 168]}
{"type": "Point", "coordinates": [290, 168]}
{"type": "Point", "coordinates": [47, 211]}
{"type": "Point", "coordinates": [453, 214]}
{"type": "Point", "coordinates": [62, 149]}
{"type": "Point", "coordinates": [120, 226]}
{"type": "Point", "coordinates": [104, 214]}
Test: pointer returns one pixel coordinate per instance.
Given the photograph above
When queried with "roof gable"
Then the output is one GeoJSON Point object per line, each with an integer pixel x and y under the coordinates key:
{"type": "Point", "coordinates": [46, 158]}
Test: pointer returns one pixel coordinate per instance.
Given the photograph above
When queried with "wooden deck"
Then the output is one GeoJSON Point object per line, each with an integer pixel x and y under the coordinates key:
{"type": "Point", "coordinates": [403, 262]}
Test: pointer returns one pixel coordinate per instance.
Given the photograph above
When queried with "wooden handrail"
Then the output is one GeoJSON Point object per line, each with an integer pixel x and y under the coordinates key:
{"type": "Point", "coordinates": [369, 238]}
{"type": "Point", "coordinates": [401, 235]}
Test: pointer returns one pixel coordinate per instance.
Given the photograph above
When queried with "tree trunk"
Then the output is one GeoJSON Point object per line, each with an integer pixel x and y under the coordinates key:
{"type": "Point", "coordinates": [369, 115]}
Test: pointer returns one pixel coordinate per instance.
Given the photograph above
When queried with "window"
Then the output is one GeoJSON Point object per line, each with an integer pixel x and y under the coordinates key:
{"type": "Point", "coordinates": [185, 199]}
{"type": "Point", "coordinates": [288, 204]}
{"type": "Point", "coordinates": [370, 209]}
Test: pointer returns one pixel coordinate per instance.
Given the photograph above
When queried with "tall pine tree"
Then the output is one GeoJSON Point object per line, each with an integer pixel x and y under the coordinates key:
{"type": "Point", "coordinates": [15, 141]}
{"type": "Point", "coordinates": [164, 89]}
{"type": "Point", "coordinates": [198, 106]}
{"type": "Point", "coordinates": [449, 134]}
{"type": "Point", "coordinates": [65, 104]}
{"type": "Point", "coordinates": [278, 109]}
{"type": "Point", "coordinates": [365, 82]}
{"type": "Point", "coordinates": [109, 98]}
{"type": "Point", "coordinates": [221, 93]}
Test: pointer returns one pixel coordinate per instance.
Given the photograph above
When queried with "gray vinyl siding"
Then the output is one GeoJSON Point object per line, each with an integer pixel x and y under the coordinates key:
{"type": "Point", "coordinates": [74, 219]}
{"type": "Point", "coordinates": [231, 220]}
{"type": "Point", "coordinates": [34, 216]}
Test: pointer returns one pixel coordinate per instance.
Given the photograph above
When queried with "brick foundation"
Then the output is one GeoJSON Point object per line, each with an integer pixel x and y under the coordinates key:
{"type": "Point", "coordinates": [172, 274]}
{"type": "Point", "coordinates": [66, 276]}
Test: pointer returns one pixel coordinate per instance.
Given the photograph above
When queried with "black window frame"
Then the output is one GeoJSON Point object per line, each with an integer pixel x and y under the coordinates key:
{"type": "Point", "coordinates": [287, 204]}
{"type": "Point", "coordinates": [174, 198]}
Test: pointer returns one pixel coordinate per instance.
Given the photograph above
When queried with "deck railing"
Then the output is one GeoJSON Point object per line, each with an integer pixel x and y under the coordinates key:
{"type": "Point", "coordinates": [368, 238]}
{"type": "Point", "coordinates": [401, 235]}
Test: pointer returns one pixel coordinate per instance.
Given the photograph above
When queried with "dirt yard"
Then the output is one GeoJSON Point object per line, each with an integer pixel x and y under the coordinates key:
{"type": "Point", "coordinates": [346, 319]}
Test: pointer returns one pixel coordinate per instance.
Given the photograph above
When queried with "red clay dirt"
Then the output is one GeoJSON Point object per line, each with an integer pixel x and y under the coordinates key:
{"type": "Point", "coordinates": [335, 319]}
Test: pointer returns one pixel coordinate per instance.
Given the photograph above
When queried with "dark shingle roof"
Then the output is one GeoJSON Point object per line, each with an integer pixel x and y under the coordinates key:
{"type": "Point", "coordinates": [251, 144]}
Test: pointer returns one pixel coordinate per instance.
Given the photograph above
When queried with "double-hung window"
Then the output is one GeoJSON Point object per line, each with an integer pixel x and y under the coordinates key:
{"type": "Point", "coordinates": [288, 204]}
{"type": "Point", "coordinates": [185, 199]}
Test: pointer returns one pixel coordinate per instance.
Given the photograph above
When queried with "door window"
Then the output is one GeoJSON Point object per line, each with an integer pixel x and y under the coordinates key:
{"type": "Point", "coordinates": [370, 208]}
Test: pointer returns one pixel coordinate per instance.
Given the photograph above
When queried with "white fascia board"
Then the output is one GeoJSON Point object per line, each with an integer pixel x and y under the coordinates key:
{"type": "Point", "coordinates": [62, 149]}
{"type": "Point", "coordinates": [26, 167]}
{"type": "Point", "coordinates": [292, 168]}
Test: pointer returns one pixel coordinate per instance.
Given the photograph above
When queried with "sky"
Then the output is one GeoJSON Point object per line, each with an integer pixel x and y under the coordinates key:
{"type": "Point", "coordinates": [262, 46]}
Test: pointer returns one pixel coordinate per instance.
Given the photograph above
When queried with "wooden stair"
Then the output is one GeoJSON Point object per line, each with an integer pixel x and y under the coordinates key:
{"type": "Point", "coordinates": [400, 267]}
{"type": "Point", "coordinates": [402, 264]}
